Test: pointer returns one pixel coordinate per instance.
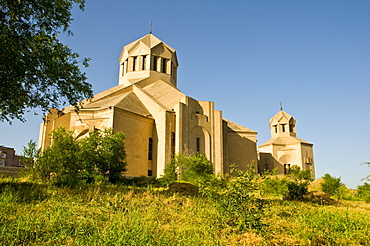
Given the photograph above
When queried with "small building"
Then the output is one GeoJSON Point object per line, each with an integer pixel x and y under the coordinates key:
{"type": "Point", "coordinates": [8, 157]}
{"type": "Point", "coordinates": [284, 149]}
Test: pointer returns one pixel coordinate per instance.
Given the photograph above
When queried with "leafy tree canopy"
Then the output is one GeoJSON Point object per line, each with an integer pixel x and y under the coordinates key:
{"type": "Point", "coordinates": [36, 70]}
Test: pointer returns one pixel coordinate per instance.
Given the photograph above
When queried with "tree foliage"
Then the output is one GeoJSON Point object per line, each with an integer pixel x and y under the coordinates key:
{"type": "Point", "coordinates": [29, 155]}
{"type": "Point", "coordinates": [331, 185]}
{"type": "Point", "coordinates": [36, 69]}
{"type": "Point", "coordinates": [193, 168]}
{"type": "Point", "coordinates": [363, 191]}
{"type": "Point", "coordinates": [235, 198]}
{"type": "Point", "coordinates": [298, 183]}
{"type": "Point", "coordinates": [69, 161]}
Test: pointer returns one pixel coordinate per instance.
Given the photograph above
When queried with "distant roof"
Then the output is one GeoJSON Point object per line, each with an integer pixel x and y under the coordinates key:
{"type": "Point", "coordinates": [281, 115]}
{"type": "Point", "coordinates": [119, 98]}
{"type": "Point", "coordinates": [237, 128]}
{"type": "Point", "coordinates": [150, 40]}
{"type": "Point", "coordinates": [284, 141]}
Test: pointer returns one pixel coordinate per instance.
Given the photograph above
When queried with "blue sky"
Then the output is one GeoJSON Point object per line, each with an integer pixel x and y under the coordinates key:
{"type": "Point", "coordinates": [247, 56]}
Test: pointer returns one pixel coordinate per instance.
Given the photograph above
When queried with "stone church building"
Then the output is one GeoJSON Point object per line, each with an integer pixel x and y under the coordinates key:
{"type": "Point", "coordinates": [159, 120]}
{"type": "Point", "coordinates": [284, 149]}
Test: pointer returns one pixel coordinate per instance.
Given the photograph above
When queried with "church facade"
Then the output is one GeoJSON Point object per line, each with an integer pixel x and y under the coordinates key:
{"type": "Point", "coordinates": [157, 119]}
{"type": "Point", "coordinates": [284, 149]}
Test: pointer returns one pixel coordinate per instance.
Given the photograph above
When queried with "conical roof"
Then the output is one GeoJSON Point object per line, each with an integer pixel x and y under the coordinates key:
{"type": "Point", "coordinates": [150, 41]}
{"type": "Point", "coordinates": [281, 117]}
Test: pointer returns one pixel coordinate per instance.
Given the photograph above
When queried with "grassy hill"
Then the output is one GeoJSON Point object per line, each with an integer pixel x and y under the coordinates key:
{"type": "Point", "coordinates": [39, 214]}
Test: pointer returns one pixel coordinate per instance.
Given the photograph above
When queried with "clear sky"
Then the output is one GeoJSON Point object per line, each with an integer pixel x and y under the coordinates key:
{"type": "Point", "coordinates": [247, 56]}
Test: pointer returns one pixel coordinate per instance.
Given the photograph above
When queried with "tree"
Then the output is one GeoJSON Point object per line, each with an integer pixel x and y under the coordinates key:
{"type": "Point", "coordinates": [61, 162]}
{"type": "Point", "coordinates": [105, 152]}
{"type": "Point", "coordinates": [331, 185]}
{"type": "Point", "coordinates": [363, 191]}
{"type": "Point", "coordinates": [30, 153]}
{"type": "Point", "coordinates": [367, 178]}
{"type": "Point", "coordinates": [70, 161]}
{"type": "Point", "coordinates": [36, 69]}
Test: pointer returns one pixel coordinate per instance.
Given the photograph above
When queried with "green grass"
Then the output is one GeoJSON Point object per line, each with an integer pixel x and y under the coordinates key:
{"type": "Point", "coordinates": [38, 214]}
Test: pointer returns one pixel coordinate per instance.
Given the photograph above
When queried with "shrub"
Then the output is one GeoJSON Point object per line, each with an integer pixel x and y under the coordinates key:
{"type": "Point", "coordinates": [363, 191]}
{"type": "Point", "coordinates": [194, 168]}
{"type": "Point", "coordinates": [69, 161]}
{"type": "Point", "coordinates": [170, 174]}
{"type": "Point", "coordinates": [298, 183]}
{"type": "Point", "coordinates": [234, 199]}
{"type": "Point", "coordinates": [331, 185]}
{"type": "Point", "coordinates": [273, 185]}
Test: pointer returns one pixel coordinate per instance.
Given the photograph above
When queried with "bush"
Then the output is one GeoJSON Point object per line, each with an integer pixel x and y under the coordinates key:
{"type": "Point", "coordinates": [298, 183]}
{"type": "Point", "coordinates": [363, 191]}
{"type": "Point", "coordinates": [234, 199]}
{"type": "Point", "coordinates": [69, 161]}
{"type": "Point", "coordinates": [273, 185]}
{"type": "Point", "coordinates": [170, 174]}
{"type": "Point", "coordinates": [195, 169]}
{"type": "Point", "coordinates": [332, 185]}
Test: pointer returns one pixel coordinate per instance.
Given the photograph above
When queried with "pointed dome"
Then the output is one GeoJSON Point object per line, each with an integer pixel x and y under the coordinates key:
{"type": "Point", "coordinates": [148, 57]}
{"type": "Point", "coordinates": [148, 40]}
{"type": "Point", "coordinates": [282, 124]}
{"type": "Point", "coordinates": [281, 117]}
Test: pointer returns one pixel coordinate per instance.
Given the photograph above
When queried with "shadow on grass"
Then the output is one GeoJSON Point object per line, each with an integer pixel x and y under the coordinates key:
{"type": "Point", "coordinates": [24, 192]}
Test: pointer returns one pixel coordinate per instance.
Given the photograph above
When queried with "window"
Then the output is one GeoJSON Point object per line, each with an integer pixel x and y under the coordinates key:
{"type": "Point", "coordinates": [144, 63]}
{"type": "Point", "coordinates": [164, 65]}
{"type": "Point", "coordinates": [155, 61]}
{"type": "Point", "coordinates": [286, 169]}
{"type": "Point", "coordinates": [150, 173]}
{"type": "Point", "coordinates": [283, 127]}
{"type": "Point", "coordinates": [291, 127]}
{"type": "Point", "coordinates": [197, 145]}
{"type": "Point", "coordinates": [134, 63]}
{"type": "Point", "coordinates": [173, 142]}
{"type": "Point", "coordinates": [275, 126]}
{"type": "Point", "coordinates": [150, 149]}
{"type": "Point", "coordinates": [123, 68]}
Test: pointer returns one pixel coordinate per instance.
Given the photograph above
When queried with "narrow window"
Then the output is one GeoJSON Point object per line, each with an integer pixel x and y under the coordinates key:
{"type": "Point", "coordinates": [150, 149]}
{"type": "Point", "coordinates": [291, 127]}
{"type": "Point", "coordinates": [155, 61]}
{"type": "Point", "coordinates": [164, 65]}
{"type": "Point", "coordinates": [275, 126]}
{"type": "Point", "coordinates": [144, 63]}
{"type": "Point", "coordinates": [134, 63]}
{"type": "Point", "coordinates": [173, 141]}
{"type": "Point", "coordinates": [197, 145]}
{"type": "Point", "coordinates": [172, 69]}
{"type": "Point", "coordinates": [150, 173]}
{"type": "Point", "coordinates": [123, 68]}
{"type": "Point", "coordinates": [286, 169]}
{"type": "Point", "coordinates": [283, 127]}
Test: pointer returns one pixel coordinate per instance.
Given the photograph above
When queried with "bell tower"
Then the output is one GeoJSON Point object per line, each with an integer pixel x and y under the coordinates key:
{"type": "Point", "coordinates": [282, 125]}
{"type": "Point", "coordinates": [148, 57]}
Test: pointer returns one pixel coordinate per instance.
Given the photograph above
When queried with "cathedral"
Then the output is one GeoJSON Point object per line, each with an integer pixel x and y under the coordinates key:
{"type": "Point", "coordinates": [160, 121]}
